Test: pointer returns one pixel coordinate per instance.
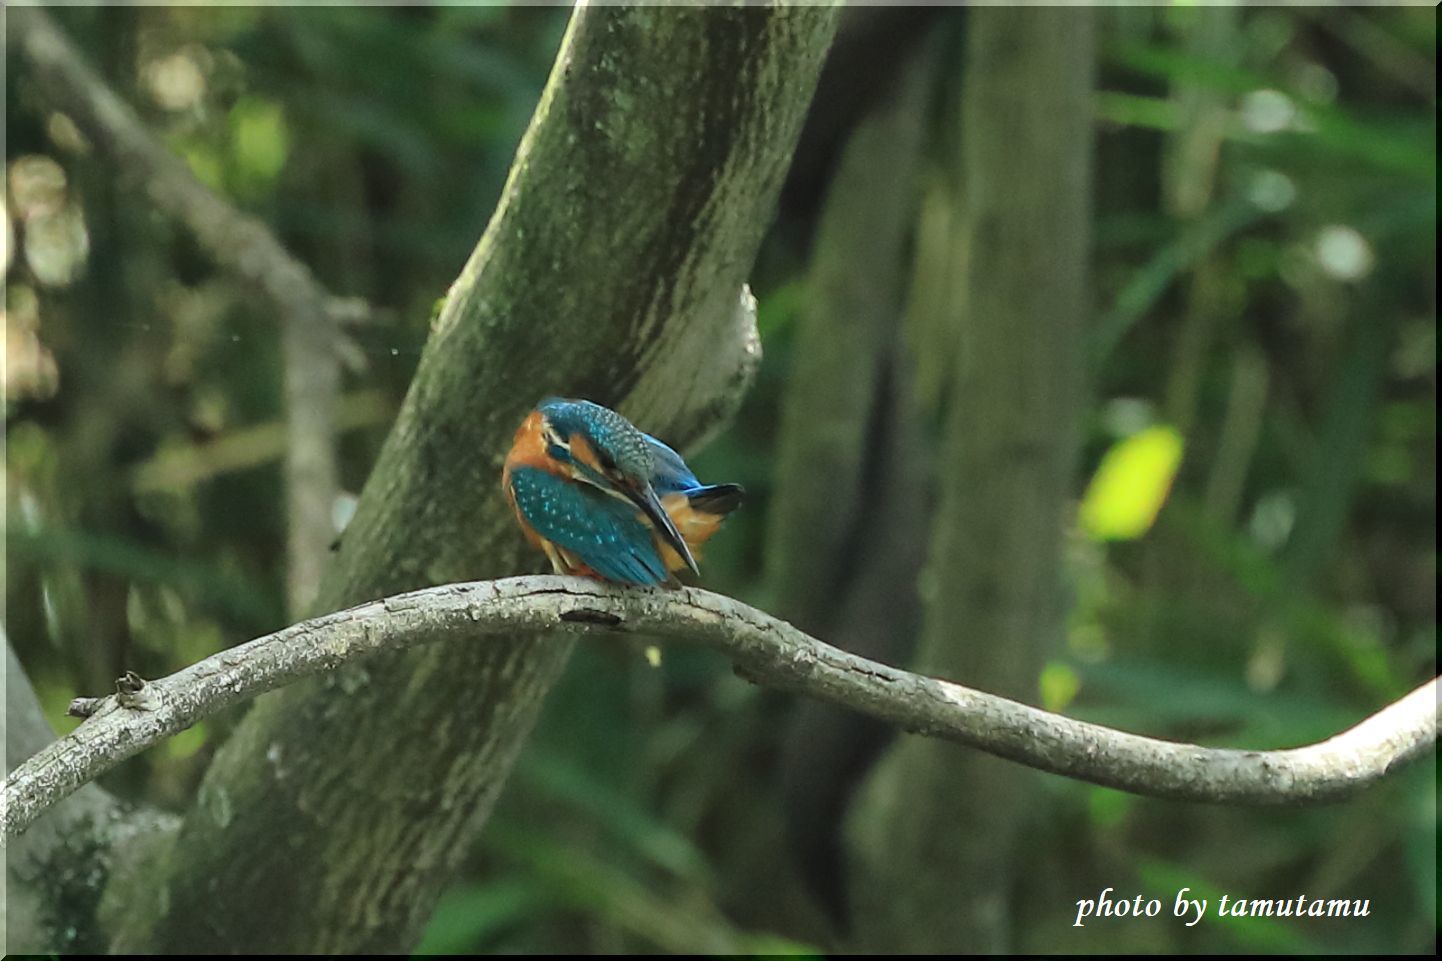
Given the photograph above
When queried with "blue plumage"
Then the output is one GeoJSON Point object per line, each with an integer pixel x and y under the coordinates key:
{"type": "Point", "coordinates": [670, 475]}
{"type": "Point", "coordinates": [612, 436]}
{"type": "Point", "coordinates": [603, 499]}
{"type": "Point", "coordinates": [634, 452]}
{"type": "Point", "coordinates": [604, 533]}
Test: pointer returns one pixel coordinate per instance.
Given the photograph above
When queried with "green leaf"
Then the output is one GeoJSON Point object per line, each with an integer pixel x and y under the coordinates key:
{"type": "Point", "coordinates": [467, 916]}
{"type": "Point", "coordinates": [260, 141]}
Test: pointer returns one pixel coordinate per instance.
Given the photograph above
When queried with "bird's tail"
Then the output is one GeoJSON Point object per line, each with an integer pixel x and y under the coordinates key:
{"type": "Point", "coordinates": [697, 512]}
{"type": "Point", "coordinates": [718, 499]}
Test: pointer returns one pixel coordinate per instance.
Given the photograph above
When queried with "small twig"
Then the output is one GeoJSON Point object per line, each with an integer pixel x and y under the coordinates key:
{"type": "Point", "coordinates": [131, 691]}
{"type": "Point", "coordinates": [179, 468]}
{"type": "Point", "coordinates": [134, 693]}
{"type": "Point", "coordinates": [765, 650]}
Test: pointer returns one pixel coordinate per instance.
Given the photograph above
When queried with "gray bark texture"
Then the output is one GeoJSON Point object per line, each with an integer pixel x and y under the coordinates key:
{"type": "Point", "coordinates": [932, 837]}
{"type": "Point", "coordinates": [613, 269]}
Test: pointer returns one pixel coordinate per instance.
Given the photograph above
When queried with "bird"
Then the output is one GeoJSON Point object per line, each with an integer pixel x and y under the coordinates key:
{"type": "Point", "coordinates": [605, 500]}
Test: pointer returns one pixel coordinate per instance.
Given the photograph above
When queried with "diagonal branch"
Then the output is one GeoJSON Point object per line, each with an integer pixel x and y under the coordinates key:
{"type": "Point", "coordinates": [765, 650]}
{"type": "Point", "coordinates": [238, 242]}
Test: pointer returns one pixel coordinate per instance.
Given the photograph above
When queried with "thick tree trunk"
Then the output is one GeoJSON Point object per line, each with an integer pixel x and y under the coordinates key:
{"type": "Point", "coordinates": [848, 519]}
{"type": "Point", "coordinates": [932, 837]}
{"type": "Point", "coordinates": [613, 269]}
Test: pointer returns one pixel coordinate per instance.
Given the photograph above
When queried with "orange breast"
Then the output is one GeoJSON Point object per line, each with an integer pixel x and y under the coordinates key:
{"type": "Point", "coordinates": [528, 449]}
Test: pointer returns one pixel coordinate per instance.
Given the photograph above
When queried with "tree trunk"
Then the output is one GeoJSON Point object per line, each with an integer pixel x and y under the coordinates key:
{"type": "Point", "coordinates": [932, 838]}
{"type": "Point", "coordinates": [849, 516]}
{"type": "Point", "coordinates": [613, 269]}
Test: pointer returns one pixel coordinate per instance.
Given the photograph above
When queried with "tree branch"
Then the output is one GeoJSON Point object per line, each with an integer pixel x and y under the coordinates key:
{"type": "Point", "coordinates": [765, 650]}
{"type": "Point", "coordinates": [312, 474]}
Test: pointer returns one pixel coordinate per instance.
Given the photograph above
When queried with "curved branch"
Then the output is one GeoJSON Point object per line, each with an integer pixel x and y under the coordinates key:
{"type": "Point", "coordinates": [765, 650]}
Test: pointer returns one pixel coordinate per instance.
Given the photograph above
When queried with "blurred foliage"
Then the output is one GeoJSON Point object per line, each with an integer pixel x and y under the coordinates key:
{"type": "Point", "coordinates": [1265, 269]}
{"type": "Point", "coordinates": [1131, 484]}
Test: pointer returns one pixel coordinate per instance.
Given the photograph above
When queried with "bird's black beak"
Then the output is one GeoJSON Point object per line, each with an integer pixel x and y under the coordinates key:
{"type": "Point", "coordinates": [646, 500]}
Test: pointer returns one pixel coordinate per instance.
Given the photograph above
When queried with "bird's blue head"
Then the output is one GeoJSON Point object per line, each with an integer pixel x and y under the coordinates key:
{"type": "Point", "coordinates": [578, 432]}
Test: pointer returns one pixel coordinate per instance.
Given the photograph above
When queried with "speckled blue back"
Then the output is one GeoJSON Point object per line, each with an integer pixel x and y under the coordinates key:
{"type": "Point", "coordinates": [604, 533]}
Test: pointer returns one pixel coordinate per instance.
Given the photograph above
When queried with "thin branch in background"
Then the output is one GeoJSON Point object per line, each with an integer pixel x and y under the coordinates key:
{"type": "Point", "coordinates": [312, 481]}
{"type": "Point", "coordinates": [766, 651]}
{"type": "Point", "coordinates": [1361, 31]}
{"type": "Point", "coordinates": [239, 243]}
{"type": "Point", "coordinates": [313, 341]}
{"type": "Point", "coordinates": [174, 469]}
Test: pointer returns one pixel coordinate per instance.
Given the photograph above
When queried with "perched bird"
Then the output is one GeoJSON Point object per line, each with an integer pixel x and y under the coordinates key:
{"type": "Point", "coordinates": [605, 500]}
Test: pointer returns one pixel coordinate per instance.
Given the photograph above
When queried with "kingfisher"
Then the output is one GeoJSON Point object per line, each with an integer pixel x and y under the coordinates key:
{"type": "Point", "coordinates": [605, 500]}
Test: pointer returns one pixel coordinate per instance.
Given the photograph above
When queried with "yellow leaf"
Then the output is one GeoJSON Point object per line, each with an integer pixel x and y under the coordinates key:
{"type": "Point", "coordinates": [1058, 684]}
{"type": "Point", "coordinates": [1131, 484]}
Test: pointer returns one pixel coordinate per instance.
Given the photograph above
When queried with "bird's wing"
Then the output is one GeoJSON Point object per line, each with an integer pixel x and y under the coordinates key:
{"type": "Point", "coordinates": [603, 532]}
{"type": "Point", "coordinates": [669, 472]}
